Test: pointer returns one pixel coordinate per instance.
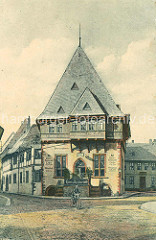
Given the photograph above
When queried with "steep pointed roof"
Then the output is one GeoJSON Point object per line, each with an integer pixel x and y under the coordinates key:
{"type": "Point", "coordinates": [81, 72]}
{"type": "Point", "coordinates": [87, 104]}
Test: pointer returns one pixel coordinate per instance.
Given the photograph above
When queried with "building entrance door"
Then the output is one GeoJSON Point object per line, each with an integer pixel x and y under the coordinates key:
{"type": "Point", "coordinates": [142, 183]}
{"type": "Point", "coordinates": [80, 168]}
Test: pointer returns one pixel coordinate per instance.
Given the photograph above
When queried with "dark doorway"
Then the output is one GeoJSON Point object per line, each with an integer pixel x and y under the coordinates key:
{"type": "Point", "coordinates": [80, 168]}
{"type": "Point", "coordinates": [142, 183]}
{"type": "Point", "coordinates": [7, 184]}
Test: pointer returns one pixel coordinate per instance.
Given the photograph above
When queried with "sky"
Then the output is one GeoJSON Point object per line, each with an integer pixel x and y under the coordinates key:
{"type": "Point", "coordinates": [39, 37]}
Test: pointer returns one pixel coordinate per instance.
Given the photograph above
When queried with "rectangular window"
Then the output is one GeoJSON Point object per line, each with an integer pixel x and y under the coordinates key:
{"type": "Point", "coordinates": [99, 165]}
{"type": "Point", "coordinates": [59, 128]}
{"type": "Point", "coordinates": [153, 166]}
{"type": "Point", "coordinates": [14, 178]}
{"type": "Point", "coordinates": [139, 166]}
{"type": "Point", "coordinates": [21, 157]}
{"type": "Point", "coordinates": [9, 179]}
{"type": "Point", "coordinates": [3, 180]}
{"type": "Point", "coordinates": [28, 156]}
{"type": "Point", "coordinates": [51, 128]}
{"type": "Point", "coordinates": [146, 166]}
{"type": "Point", "coordinates": [74, 127]}
{"type": "Point", "coordinates": [15, 159]}
{"type": "Point", "coordinates": [131, 166]}
{"type": "Point", "coordinates": [100, 125]}
{"type": "Point", "coordinates": [20, 177]}
{"type": "Point", "coordinates": [91, 126]}
{"type": "Point", "coordinates": [131, 180]}
{"type": "Point", "coordinates": [37, 174]}
{"type": "Point", "coordinates": [83, 126]}
{"type": "Point", "coordinates": [125, 166]}
{"type": "Point", "coordinates": [60, 165]}
{"type": "Point", "coordinates": [110, 129]}
{"type": "Point", "coordinates": [152, 181]}
{"type": "Point", "coordinates": [37, 153]}
{"type": "Point", "coordinates": [27, 176]}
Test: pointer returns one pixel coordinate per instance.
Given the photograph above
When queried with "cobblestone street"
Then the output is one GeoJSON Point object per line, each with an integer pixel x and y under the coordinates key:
{"type": "Point", "coordinates": [34, 218]}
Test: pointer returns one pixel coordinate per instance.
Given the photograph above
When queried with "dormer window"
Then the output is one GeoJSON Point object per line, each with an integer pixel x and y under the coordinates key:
{"type": "Point", "coordinates": [60, 110]}
{"type": "Point", "coordinates": [74, 87]}
{"type": "Point", "coordinates": [87, 106]}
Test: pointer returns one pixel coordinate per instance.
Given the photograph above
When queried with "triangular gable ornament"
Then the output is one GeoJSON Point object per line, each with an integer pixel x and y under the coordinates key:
{"type": "Point", "coordinates": [60, 110]}
{"type": "Point", "coordinates": [74, 87]}
{"type": "Point", "coordinates": [86, 106]}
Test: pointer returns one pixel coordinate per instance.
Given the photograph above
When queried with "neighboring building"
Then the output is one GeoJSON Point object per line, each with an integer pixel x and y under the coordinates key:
{"type": "Point", "coordinates": [1, 132]}
{"type": "Point", "coordinates": [140, 166]}
{"type": "Point", "coordinates": [81, 127]}
{"type": "Point", "coordinates": [21, 161]}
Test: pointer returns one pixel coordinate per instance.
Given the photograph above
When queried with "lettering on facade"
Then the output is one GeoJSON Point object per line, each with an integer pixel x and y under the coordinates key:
{"type": "Point", "coordinates": [112, 164]}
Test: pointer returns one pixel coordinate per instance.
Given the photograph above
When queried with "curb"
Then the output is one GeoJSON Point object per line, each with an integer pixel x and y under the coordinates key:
{"type": "Point", "coordinates": [8, 203]}
{"type": "Point", "coordinates": [82, 198]}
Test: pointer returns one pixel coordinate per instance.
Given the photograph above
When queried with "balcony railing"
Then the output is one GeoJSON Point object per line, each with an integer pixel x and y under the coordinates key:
{"type": "Point", "coordinates": [82, 135]}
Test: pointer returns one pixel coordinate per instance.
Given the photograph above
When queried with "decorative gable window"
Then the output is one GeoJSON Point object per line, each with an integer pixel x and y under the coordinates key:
{"type": "Point", "coordinates": [74, 87]}
{"type": "Point", "coordinates": [99, 165]}
{"type": "Point", "coordinates": [60, 165]}
{"type": "Point", "coordinates": [60, 110]}
{"type": "Point", "coordinates": [86, 106]}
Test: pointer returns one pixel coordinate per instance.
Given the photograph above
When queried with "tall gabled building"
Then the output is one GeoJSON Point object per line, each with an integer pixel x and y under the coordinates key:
{"type": "Point", "coordinates": [81, 127]}
{"type": "Point", "coordinates": [21, 161]}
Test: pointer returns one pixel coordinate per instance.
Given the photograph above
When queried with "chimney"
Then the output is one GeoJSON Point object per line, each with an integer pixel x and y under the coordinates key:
{"type": "Point", "coordinates": [28, 124]}
{"type": "Point", "coordinates": [150, 141]}
{"type": "Point", "coordinates": [118, 106]}
{"type": "Point", "coordinates": [132, 141]}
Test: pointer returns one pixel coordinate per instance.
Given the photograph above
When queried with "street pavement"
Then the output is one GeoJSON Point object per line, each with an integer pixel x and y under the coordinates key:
{"type": "Point", "coordinates": [39, 218]}
{"type": "Point", "coordinates": [149, 206]}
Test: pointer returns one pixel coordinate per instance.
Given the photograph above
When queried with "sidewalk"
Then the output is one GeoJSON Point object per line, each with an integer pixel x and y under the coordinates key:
{"type": "Point", "coordinates": [149, 207]}
{"type": "Point", "coordinates": [125, 195]}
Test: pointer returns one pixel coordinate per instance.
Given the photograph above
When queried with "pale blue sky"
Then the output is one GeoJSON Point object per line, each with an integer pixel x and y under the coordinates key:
{"type": "Point", "coordinates": [38, 39]}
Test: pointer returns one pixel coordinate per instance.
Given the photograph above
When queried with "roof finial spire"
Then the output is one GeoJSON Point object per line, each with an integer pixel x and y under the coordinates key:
{"type": "Point", "coordinates": [79, 35]}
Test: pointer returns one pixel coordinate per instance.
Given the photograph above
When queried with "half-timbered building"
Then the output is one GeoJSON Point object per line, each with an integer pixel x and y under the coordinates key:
{"type": "Point", "coordinates": [82, 129]}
